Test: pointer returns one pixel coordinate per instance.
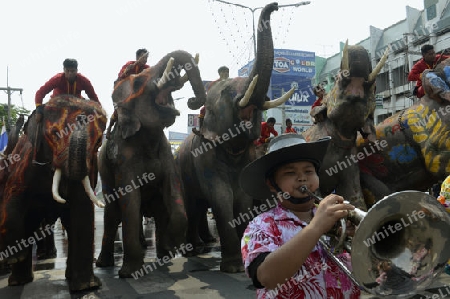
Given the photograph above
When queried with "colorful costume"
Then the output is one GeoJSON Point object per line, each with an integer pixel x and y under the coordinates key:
{"type": "Point", "coordinates": [60, 85]}
{"type": "Point", "coordinates": [444, 195]}
{"type": "Point", "coordinates": [319, 276]}
{"type": "Point", "coordinates": [416, 72]}
{"type": "Point", "coordinates": [444, 199]}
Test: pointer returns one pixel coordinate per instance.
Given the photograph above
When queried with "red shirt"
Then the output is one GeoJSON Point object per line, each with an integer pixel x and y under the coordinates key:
{"type": "Point", "coordinates": [317, 102]}
{"type": "Point", "coordinates": [265, 132]}
{"type": "Point", "coordinates": [290, 130]}
{"type": "Point", "coordinates": [132, 71]}
{"type": "Point", "coordinates": [420, 66]}
{"type": "Point", "coordinates": [60, 85]}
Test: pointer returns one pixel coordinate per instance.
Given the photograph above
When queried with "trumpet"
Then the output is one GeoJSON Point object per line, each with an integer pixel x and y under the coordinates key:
{"type": "Point", "coordinates": [400, 244]}
{"type": "Point", "coordinates": [338, 239]}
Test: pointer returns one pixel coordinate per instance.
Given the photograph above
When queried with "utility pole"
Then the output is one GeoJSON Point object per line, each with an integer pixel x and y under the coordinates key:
{"type": "Point", "coordinates": [9, 91]}
{"type": "Point", "coordinates": [252, 10]}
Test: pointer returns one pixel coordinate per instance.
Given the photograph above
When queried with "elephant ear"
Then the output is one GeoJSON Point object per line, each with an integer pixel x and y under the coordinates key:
{"type": "Point", "coordinates": [128, 123]}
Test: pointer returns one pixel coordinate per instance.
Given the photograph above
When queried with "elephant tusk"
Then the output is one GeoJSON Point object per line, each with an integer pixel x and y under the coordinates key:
{"type": "Point", "coordinates": [248, 93]}
{"type": "Point", "coordinates": [165, 75]}
{"type": "Point", "coordinates": [279, 101]}
{"type": "Point", "coordinates": [55, 186]}
{"type": "Point", "coordinates": [90, 192]}
{"type": "Point", "coordinates": [380, 64]}
{"type": "Point", "coordinates": [345, 64]}
{"type": "Point", "coordinates": [185, 77]}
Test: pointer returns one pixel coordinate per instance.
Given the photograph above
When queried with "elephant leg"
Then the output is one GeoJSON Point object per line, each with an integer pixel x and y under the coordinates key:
{"type": "Point", "coordinates": [133, 255]}
{"type": "Point", "coordinates": [22, 272]}
{"type": "Point", "coordinates": [81, 241]}
{"type": "Point", "coordinates": [170, 217]}
{"type": "Point", "coordinates": [13, 227]}
{"type": "Point", "coordinates": [194, 210]}
{"type": "Point", "coordinates": [161, 223]}
{"type": "Point", "coordinates": [244, 205]}
{"type": "Point", "coordinates": [230, 243]}
{"type": "Point", "coordinates": [111, 221]}
{"type": "Point", "coordinates": [46, 248]}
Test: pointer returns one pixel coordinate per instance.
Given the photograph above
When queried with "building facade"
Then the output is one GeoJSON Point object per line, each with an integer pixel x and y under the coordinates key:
{"type": "Point", "coordinates": [405, 38]}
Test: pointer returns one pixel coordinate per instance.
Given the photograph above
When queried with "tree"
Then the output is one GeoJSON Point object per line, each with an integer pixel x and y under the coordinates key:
{"type": "Point", "coordinates": [15, 112]}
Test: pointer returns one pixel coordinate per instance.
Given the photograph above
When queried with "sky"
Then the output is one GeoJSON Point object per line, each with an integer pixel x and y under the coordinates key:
{"type": "Point", "coordinates": [103, 35]}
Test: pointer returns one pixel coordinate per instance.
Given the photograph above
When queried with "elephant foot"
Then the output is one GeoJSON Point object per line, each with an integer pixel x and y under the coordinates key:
{"type": "Point", "coordinates": [93, 283]}
{"type": "Point", "coordinates": [18, 280]}
{"type": "Point", "coordinates": [47, 254]}
{"type": "Point", "coordinates": [17, 258]}
{"type": "Point", "coordinates": [234, 266]}
{"type": "Point", "coordinates": [209, 239]}
{"type": "Point", "coordinates": [105, 260]}
{"type": "Point", "coordinates": [131, 271]}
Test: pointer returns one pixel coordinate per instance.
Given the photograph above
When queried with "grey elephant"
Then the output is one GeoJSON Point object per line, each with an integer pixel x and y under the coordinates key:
{"type": "Point", "coordinates": [136, 165]}
{"type": "Point", "coordinates": [350, 106]}
{"type": "Point", "coordinates": [210, 162]}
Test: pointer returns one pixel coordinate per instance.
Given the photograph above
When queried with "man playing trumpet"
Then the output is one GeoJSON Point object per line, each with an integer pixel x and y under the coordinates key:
{"type": "Point", "coordinates": [280, 248]}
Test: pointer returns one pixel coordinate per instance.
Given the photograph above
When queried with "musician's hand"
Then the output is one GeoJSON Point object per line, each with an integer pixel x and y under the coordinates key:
{"type": "Point", "coordinates": [330, 210]}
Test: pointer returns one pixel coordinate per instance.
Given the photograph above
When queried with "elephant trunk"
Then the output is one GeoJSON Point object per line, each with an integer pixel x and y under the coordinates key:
{"type": "Point", "coordinates": [77, 162]}
{"type": "Point", "coordinates": [77, 166]}
{"type": "Point", "coordinates": [264, 57]}
{"type": "Point", "coordinates": [190, 65]}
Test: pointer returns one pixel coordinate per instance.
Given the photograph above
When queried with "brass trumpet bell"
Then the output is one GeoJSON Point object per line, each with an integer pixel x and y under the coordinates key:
{"type": "Point", "coordinates": [401, 244]}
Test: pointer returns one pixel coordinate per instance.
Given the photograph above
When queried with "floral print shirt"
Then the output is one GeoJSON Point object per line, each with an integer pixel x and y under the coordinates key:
{"type": "Point", "coordinates": [319, 276]}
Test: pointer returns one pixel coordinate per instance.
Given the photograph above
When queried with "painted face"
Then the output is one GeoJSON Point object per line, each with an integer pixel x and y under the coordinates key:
{"type": "Point", "coordinates": [291, 177]}
{"type": "Point", "coordinates": [70, 73]}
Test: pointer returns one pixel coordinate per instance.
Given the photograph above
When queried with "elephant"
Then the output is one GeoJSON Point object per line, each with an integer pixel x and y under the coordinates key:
{"type": "Point", "coordinates": [350, 106]}
{"type": "Point", "coordinates": [414, 143]}
{"type": "Point", "coordinates": [211, 160]}
{"type": "Point", "coordinates": [49, 174]}
{"type": "Point", "coordinates": [138, 159]}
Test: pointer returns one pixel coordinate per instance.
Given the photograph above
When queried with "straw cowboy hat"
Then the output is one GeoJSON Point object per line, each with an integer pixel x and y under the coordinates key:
{"type": "Point", "coordinates": [282, 149]}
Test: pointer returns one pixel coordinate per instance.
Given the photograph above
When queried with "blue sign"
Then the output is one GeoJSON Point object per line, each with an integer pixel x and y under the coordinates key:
{"type": "Point", "coordinates": [291, 68]}
{"type": "Point", "coordinates": [303, 94]}
{"type": "Point", "coordinates": [295, 63]}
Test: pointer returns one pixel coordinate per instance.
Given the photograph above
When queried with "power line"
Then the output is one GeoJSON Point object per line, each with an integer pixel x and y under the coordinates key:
{"type": "Point", "coordinates": [9, 90]}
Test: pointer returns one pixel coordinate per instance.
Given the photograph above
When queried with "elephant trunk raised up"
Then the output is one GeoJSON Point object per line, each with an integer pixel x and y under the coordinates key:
{"type": "Point", "coordinates": [183, 61]}
{"type": "Point", "coordinates": [264, 58]}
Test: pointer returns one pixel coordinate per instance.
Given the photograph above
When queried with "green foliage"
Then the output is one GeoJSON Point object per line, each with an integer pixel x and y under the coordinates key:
{"type": "Point", "coordinates": [15, 112]}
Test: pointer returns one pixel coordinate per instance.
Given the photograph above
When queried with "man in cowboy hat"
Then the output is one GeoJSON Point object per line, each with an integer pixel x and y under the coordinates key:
{"type": "Point", "coordinates": [280, 246]}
